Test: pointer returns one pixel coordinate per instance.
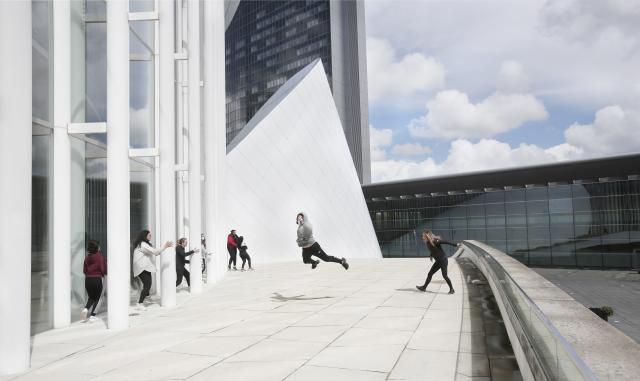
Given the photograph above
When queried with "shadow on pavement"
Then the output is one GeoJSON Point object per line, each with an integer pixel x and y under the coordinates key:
{"type": "Point", "coordinates": [280, 298]}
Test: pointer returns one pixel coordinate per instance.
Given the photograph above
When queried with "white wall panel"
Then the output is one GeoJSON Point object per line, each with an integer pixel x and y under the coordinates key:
{"type": "Point", "coordinates": [293, 156]}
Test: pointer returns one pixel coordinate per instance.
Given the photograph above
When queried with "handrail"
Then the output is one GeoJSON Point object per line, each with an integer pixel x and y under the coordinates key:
{"type": "Point", "coordinates": [548, 355]}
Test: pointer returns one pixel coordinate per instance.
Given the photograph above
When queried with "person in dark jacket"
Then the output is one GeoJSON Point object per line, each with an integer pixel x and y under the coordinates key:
{"type": "Point", "coordinates": [95, 267]}
{"type": "Point", "coordinates": [181, 260]}
{"type": "Point", "coordinates": [434, 243]}
{"type": "Point", "coordinates": [232, 248]}
{"type": "Point", "coordinates": [243, 253]}
{"type": "Point", "coordinates": [310, 246]}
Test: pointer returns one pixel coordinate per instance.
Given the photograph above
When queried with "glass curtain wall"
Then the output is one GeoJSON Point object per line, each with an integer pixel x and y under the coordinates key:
{"type": "Point", "coordinates": [88, 152]}
{"type": "Point", "coordinates": [571, 225]}
{"type": "Point", "coordinates": [142, 127]}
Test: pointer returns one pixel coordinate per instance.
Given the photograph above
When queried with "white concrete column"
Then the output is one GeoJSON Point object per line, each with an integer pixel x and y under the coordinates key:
{"type": "Point", "coordinates": [61, 264]}
{"type": "Point", "coordinates": [214, 135]}
{"type": "Point", "coordinates": [15, 195]}
{"type": "Point", "coordinates": [195, 194]}
{"type": "Point", "coordinates": [166, 14]}
{"type": "Point", "coordinates": [118, 197]}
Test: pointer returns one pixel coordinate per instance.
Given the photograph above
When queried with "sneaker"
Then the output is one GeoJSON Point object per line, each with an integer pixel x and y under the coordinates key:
{"type": "Point", "coordinates": [141, 307]}
{"type": "Point", "coordinates": [422, 288]}
{"type": "Point", "coordinates": [314, 264]}
{"type": "Point", "coordinates": [92, 319]}
{"type": "Point", "coordinates": [251, 268]}
{"type": "Point", "coordinates": [451, 292]}
{"type": "Point", "coordinates": [83, 314]}
{"type": "Point", "coordinates": [345, 264]}
{"type": "Point", "coordinates": [234, 268]}
{"type": "Point", "coordinates": [241, 269]}
{"type": "Point", "coordinates": [229, 268]}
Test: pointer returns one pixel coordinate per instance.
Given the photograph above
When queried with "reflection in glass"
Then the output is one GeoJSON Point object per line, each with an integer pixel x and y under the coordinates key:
{"type": "Point", "coordinates": [584, 225]}
{"type": "Point", "coordinates": [40, 233]}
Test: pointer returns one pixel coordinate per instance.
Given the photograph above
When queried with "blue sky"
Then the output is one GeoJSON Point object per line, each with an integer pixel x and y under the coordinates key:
{"type": "Point", "coordinates": [458, 86]}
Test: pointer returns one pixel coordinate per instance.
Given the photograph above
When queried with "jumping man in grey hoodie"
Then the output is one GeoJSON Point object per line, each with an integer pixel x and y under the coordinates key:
{"type": "Point", "coordinates": [310, 246]}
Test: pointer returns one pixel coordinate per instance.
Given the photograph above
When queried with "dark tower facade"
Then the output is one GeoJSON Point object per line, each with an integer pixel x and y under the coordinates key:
{"type": "Point", "coordinates": [267, 42]}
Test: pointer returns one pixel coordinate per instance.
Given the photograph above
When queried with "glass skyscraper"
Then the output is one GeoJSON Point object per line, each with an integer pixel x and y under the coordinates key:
{"type": "Point", "coordinates": [267, 42]}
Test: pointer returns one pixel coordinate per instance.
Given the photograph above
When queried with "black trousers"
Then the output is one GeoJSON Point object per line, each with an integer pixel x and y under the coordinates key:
{"type": "Point", "coordinates": [317, 251]}
{"type": "Point", "coordinates": [93, 285]}
{"type": "Point", "coordinates": [441, 264]}
{"type": "Point", "coordinates": [145, 277]}
{"type": "Point", "coordinates": [245, 258]}
{"type": "Point", "coordinates": [233, 252]}
{"type": "Point", "coordinates": [180, 273]}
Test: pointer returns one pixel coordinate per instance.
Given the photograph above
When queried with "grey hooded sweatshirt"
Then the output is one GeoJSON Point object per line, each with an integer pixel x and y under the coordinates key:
{"type": "Point", "coordinates": [305, 232]}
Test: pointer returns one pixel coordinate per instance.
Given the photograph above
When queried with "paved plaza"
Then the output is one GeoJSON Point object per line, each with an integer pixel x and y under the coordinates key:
{"type": "Point", "coordinates": [282, 321]}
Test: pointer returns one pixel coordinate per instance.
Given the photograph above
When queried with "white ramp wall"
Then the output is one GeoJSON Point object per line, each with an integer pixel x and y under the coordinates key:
{"type": "Point", "coordinates": [292, 157]}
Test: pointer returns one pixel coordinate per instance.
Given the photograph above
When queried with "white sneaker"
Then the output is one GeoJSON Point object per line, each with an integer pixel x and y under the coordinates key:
{"type": "Point", "coordinates": [83, 314]}
{"type": "Point", "coordinates": [92, 319]}
{"type": "Point", "coordinates": [141, 307]}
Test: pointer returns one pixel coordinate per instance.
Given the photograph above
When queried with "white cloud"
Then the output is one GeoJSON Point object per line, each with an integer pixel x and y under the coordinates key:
{"type": "Point", "coordinates": [601, 70]}
{"type": "Point", "coordinates": [140, 122]}
{"type": "Point", "coordinates": [592, 21]}
{"type": "Point", "coordinates": [378, 139]}
{"type": "Point", "coordinates": [614, 130]}
{"type": "Point", "coordinates": [513, 78]}
{"type": "Point", "coordinates": [400, 80]}
{"type": "Point", "coordinates": [466, 156]}
{"type": "Point", "coordinates": [410, 149]}
{"type": "Point", "coordinates": [451, 115]}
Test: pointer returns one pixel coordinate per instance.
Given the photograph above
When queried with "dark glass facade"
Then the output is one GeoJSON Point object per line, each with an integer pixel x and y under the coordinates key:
{"type": "Point", "coordinates": [268, 42]}
{"type": "Point", "coordinates": [578, 224]}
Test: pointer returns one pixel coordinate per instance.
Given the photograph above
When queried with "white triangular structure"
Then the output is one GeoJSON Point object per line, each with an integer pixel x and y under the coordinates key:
{"type": "Point", "coordinates": [291, 157]}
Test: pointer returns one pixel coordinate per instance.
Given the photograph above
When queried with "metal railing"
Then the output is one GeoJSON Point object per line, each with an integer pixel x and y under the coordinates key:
{"type": "Point", "coordinates": [548, 354]}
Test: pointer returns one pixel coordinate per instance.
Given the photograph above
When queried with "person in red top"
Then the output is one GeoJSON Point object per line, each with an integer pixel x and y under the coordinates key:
{"type": "Point", "coordinates": [95, 267]}
{"type": "Point", "coordinates": [232, 247]}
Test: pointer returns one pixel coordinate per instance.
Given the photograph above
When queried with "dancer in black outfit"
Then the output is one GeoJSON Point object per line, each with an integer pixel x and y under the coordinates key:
{"type": "Point", "coordinates": [181, 260]}
{"type": "Point", "coordinates": [243, 253]}
{"type": "Point", "coordinates": [310, 246]}
{"type": "Point", "coordinates": [433, 242]}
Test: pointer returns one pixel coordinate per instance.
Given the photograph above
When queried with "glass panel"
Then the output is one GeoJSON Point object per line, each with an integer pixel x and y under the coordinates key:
{"type": "Point", "coordinates": [514, 195]}
{"type": "Point", "coordinates": [142, 198]}
{"type": "Point", "coordinates": [40, 233]}
{"type": "Point", "coordinates": [96, 8]}
{"type": "Point", "coordinates": [96, 196]}
{"type": "Point", "coordinates": [537, 194]}
{"type": "Point", "coordinates": [560, 191]}
{"type": "Point", "coordinates": [563, 258]}
{"type": "Point", "coordinates": [141, 5]}
{"type": "Point", "coordinates": [561, 205]}
{"type": "Point", "coordinates": [40, 23]}
{"type": "Point", "coordinates": [40, 85]}
{"type": "Point", "coordinates": [515, 208]}
{"type": "Point", "coordinates": [96, 76]}
{"type": "Point", "coordinates": [142, 133]}
{"type": "Point", "coordinates": [539, 257]}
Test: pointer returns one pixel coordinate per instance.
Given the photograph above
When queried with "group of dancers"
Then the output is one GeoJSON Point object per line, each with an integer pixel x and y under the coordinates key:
{"type": "Point", "coordinates": [143, 260]}
{"type": "Point", "coordinates": [236, 244]}
{"type": "Point", "coordinates": [143, 265]}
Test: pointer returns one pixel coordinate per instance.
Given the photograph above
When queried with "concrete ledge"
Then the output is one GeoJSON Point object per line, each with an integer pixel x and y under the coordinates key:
{"type": "Point", "coordinates": [607, 352]}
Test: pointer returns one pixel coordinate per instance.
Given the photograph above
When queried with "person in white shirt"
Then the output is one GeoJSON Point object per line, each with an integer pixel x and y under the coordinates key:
{"type": "Point", "coordinates": [144, 261]}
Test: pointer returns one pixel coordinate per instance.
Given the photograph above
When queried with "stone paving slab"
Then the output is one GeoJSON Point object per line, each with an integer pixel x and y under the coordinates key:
{"type": "Point", "coordinates": [282, 321]}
